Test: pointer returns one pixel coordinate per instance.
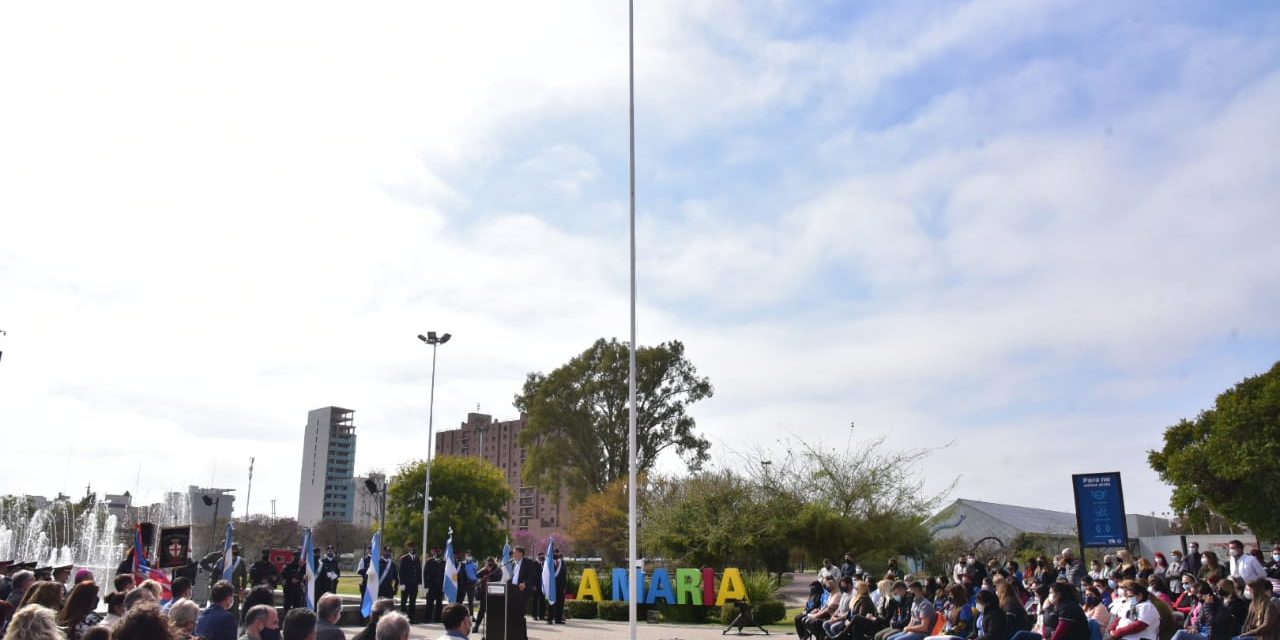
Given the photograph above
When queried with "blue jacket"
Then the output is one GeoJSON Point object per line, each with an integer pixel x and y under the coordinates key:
{"type": "Point", "coordinates": [216, 623]}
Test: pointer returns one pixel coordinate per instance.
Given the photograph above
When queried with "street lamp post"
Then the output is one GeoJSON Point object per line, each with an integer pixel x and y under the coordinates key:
{"type": "Point", "coordinates": [372, 488]}
{"type": "Point", "coordinates": [434, 341]}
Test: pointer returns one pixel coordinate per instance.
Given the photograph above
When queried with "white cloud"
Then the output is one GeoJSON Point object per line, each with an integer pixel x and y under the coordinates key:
{"type": "Point", "coordinates": [212, 224]}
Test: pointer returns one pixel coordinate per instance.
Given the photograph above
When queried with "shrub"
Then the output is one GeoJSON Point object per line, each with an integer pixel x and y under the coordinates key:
{"type": "Point", "coordinates": [615, 610]}
{"type": "Point", "coordinates": [684, 613]}
{"type": "Point", "coordinates": [766, 612]}
{"type": "Point", "coordinates": [581, 609]}
{"type": "Point", "coordinates": [761, 586]}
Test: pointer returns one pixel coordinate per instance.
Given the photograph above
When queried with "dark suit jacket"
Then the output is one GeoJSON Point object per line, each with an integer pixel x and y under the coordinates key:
{"type": "Point", "coordinates": [530, 574]}
{"type": "Point", "coordinates": [410, 571]}
{"type": "Point", "coordinates": [326, 631]}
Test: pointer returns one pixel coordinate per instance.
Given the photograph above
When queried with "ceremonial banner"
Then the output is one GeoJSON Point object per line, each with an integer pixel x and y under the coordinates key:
{"type": "Point", "coordinates": [175, 546]}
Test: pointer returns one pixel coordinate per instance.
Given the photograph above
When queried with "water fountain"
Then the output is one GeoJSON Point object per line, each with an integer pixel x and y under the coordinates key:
{"type": "Point", "coordinates": [83, 533]}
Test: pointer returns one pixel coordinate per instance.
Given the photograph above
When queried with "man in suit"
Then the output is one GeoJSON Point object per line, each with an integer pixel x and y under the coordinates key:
{"type": "Point", "coordinates": [410, 570]}
{"type": "Point", "coordinates": [328, 611]}
{"type": "Point", "coordinates": [388, 577]}
{"type": "Point", "coordinates": [433, 573]}
{"type": "Point", "coordinates": [525, 577]}
{"type": "Point", "coordinates": [327, 581]}
{"type": "Point", "coordinates": [556, 614]}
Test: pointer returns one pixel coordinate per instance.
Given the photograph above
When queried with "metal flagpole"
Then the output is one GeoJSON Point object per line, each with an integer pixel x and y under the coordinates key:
{"type": "Point", "coordinates": [633, 574]}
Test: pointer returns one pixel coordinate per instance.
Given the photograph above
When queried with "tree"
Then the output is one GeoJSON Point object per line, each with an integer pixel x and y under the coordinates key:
{"type": "Point", "coordinates": [468, 494]}
{"type": "Point", "coordinates": [261, 531]}
{"type": "Point", "coordinates": [1227, 460]}
{"type": "Point", "coordinates": [719, 519]}
{"type": "Point", "coordinates": [599, 524]}
{"type": "Point", "coordinates": [344, 536]}
{"type": "Point", "coordinates": [578, 416]}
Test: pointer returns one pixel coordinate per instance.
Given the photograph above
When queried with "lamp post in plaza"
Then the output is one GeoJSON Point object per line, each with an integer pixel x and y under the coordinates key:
{"type": "Point", "coordinates": [434, 341]}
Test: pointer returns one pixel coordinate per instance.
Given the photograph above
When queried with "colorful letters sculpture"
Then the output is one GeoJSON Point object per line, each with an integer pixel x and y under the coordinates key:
{"type": "Point", "coordinates": [691, 587]}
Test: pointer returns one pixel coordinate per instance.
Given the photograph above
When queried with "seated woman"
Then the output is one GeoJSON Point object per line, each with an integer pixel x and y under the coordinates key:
{"type": "Point", "coordinates": [1062, 617]}
{"type": "Point", "coordinates": [1095, 609]}
{"type": "Point", "coordinates": [992, 623]}
{"type": "Point", "coordinates": [1209, 618]}
{"type": "Point", "coordinates": [959, 619]}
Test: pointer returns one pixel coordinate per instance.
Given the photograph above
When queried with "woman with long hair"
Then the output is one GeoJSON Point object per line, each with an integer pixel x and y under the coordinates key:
{"type": "Point", "coordinates": [1210, 569]}
{"type": "Point", "coordinates": [77, 613]}
{"type": "Point", "coordinates": [115, 608]}
{"type": "Point", "coordinates": [1013, 606]}
{"type": "Point", "coordinates": [1126, 568]}
{"type": "Point", "coordinates": [862, 613]}
{"type": "Point", "coordinates": [992, 622]}
{"type": "Point", "coordinates": [1236, 605]}
{"type": "Point", "coordinates": [46, 594]}
{"type": "Point", "coordinates": [1145, 569]}
{"type": "Point", "coordinates": [959, 617]}
{"type": "Point", "coordinates": [1263, 620]}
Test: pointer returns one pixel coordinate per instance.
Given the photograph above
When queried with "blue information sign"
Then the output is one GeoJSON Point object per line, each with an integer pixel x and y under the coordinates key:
{"type": "Point", "coordinates": [1100, 509]}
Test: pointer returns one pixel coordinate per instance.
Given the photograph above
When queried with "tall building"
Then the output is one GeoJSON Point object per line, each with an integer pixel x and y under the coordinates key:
{"type": "Point", "coordinates": [530, 510]}
{"type": "Point", "coordinates": [327, 488]}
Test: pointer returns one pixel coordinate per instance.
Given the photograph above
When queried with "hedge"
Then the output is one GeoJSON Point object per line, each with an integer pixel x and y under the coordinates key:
{"type": "Point", "coordinates": [767, 612]}
{"type": "Point", "coordinates": [619, 610]}
{"type": "Point", "coordinates": [581, 609]}
{"type": "Point", "coordinates": [684, 613]}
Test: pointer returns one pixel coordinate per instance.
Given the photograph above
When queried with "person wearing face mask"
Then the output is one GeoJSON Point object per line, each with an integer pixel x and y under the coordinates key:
{"type": "Point", "coordinates": [1188, 595]}
{"type": "Point", "coordinates": [959, 615]}
{"type": "Point", "coordinates": [1210, 569]}
{"type": "Point", "coordinates": [1142, 620]}
{"type": "Point", "coordinates": [1095, 609]}
{"type": "Point", "coordinates": [1175, 569]}
{"type": "Point", "coordinates": [992, 623]}
{"type": "Point", "coordinates": [327, 581]}
{"type": "Point", "coordinates": [1273, 567]}
{"type": "Point", "coordinates": [894, 611]}
{"type": "Point", "coordinates": [1263, 620]}
{"type": "Point", "coordinates": [1209, 619]}
{"type": "Point", "coordinates": [839, 621]}
{"type": "Point", "coordinates": [1243, 565]}
{"type": "Point", "coordinates": [923, 616]}
{"type": "Point", "coordinates": [261, 622]}
{"type": "Point", "coordinates": [1236, 605]}
{"type": "Point", "coordinates": [1191, 563]}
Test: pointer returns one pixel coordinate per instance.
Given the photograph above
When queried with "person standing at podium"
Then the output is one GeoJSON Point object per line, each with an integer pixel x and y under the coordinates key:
{"type": "Point", "coordinates": [525, 576]}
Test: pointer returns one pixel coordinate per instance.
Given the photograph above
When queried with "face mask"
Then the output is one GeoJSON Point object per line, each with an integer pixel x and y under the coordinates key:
{"type": "Point", "coordinates": [1234, 553]}
{"type": "Point", "coordinates": [1275, 557]}
{"type": "Point", "coordinates": [270, 634]}
{"type": "Point", "coordinates": [1187, 585]}
{"type": "Point", "coordinates": [1092, 601]}
{"type": "Point", "coordinates": [1248, 594]}
{"type": "Point", "coordinates": [1204, 560]}
{"type": "Point", "coordinates": [1133, 601]}
{"type": "Point", "coordinates": [897, 597]}
{"type": "Point", "coordinates": [1111, 584]}
{"type": "Point", "coordinates": [981, 607]}
{"type": "Point", "coordinates": [1120, 594]}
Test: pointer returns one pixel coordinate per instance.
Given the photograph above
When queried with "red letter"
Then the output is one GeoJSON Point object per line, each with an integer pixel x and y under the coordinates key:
{"type": "Point", "coordinates": [708, 586]}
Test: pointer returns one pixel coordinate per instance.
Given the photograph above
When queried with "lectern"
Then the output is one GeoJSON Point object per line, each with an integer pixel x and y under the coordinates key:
{"type": "Point", "coordinates": [502, 617]}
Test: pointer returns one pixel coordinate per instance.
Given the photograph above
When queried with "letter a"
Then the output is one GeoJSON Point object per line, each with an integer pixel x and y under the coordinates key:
{"type": "Point", "coordinates": [731, 587]}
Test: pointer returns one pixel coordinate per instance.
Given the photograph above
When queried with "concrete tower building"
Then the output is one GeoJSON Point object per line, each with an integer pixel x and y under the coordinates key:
{"type": "Point", "coordinates": [327, 488]}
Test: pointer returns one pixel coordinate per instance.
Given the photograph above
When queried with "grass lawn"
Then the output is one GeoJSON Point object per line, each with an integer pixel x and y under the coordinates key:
{"type": "Point", "coordinates": [349, 585]}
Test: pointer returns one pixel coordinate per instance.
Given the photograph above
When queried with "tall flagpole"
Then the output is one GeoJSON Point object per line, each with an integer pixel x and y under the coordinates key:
{"type": "Point", "coordinates": [634, 573]}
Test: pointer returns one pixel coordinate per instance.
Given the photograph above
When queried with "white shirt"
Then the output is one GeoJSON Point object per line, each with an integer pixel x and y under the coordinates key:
{"type": "Point", "coordinates": [1247, 568]}
{"type": "Point", "coordinates": [515, 571]}
{"type": "Point", "coordinates": [1147, 613]}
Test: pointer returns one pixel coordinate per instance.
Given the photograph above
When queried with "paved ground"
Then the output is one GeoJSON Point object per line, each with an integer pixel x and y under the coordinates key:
{"type": "Point", "coordinates": [596, 629]}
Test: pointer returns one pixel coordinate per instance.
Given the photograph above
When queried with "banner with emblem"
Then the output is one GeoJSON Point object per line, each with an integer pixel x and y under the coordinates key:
{"type": "Point", "coordinates": [175, 546]}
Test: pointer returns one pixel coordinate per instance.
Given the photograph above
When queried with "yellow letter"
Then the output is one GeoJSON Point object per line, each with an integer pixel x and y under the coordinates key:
{"type": "Point", "coordinates": [589, 585]}
{"type": "Point", "coordinates": [731, 587]}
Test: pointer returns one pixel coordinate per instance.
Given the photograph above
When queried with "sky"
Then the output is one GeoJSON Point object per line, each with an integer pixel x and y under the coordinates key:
{"type": "Point", "coordinates": [1026, 235]}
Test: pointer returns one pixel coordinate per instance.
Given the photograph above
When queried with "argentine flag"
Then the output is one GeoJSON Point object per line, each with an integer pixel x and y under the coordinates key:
{"type": "Point", "coordinates": [549, 572]}
{"type": "Point", "coordinates": [227, 559]}
{"type": "Point", "coordinates": [372, 577]}
{"type": "Point", "coordinates": [309, 561]}
{"type": "Point", "coordinates": [506, 561]}
{"type": "Point", "coordinates": [450, 570]}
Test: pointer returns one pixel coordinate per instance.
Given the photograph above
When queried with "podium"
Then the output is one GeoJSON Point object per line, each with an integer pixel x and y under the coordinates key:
{"type": "Point", "coordinates": [503, 615]}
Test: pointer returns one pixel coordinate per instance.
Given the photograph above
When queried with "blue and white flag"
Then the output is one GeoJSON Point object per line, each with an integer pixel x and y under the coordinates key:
{"type": "Point", "coordinates": [373, 577]}
{"type": "Point", "coordinates": [309, 561]}
{"type": "Point", "coordinates": [228, 560]}
{"type": "Point", "coordinates": [549, 572]}
{"type": "Point", "coordinates": [506, 561]}
{"type": "Point", "coordinates": [450, 570]}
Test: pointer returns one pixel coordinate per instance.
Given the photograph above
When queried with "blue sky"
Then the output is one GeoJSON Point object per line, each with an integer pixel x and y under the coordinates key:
{"type": "Point", "coordinates": [1037, 231]}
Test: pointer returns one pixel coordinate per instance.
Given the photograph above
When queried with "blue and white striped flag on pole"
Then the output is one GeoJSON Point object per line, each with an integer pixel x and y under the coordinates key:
{"type": "Point", "coordinates": [373, 578]}
{"type": "Point", "coordinates": [450, 570]}
{"type": "Point", "coordinates": [228, 559]}
{"type": "Point", "coordinates": [549, 572]}
{"type": "Point", "coordinates": [309, 561]}
{"type": "Point", "coordinates": [506, 561]}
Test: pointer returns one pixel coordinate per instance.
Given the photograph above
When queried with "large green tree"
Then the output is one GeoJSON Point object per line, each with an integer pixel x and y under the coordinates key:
{"type": "Point", "coordinates": [468, 493]}
{"type": "Point", "coordinates": [1227, 460]}
{"type": "Point", "coordinates": [578, 416]}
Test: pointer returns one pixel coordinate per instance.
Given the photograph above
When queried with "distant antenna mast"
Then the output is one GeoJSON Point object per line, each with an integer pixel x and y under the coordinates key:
{"type": "Point", "coordinates": [248, 492]}
{"type": "Point", "coordinates": [273, 510]}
